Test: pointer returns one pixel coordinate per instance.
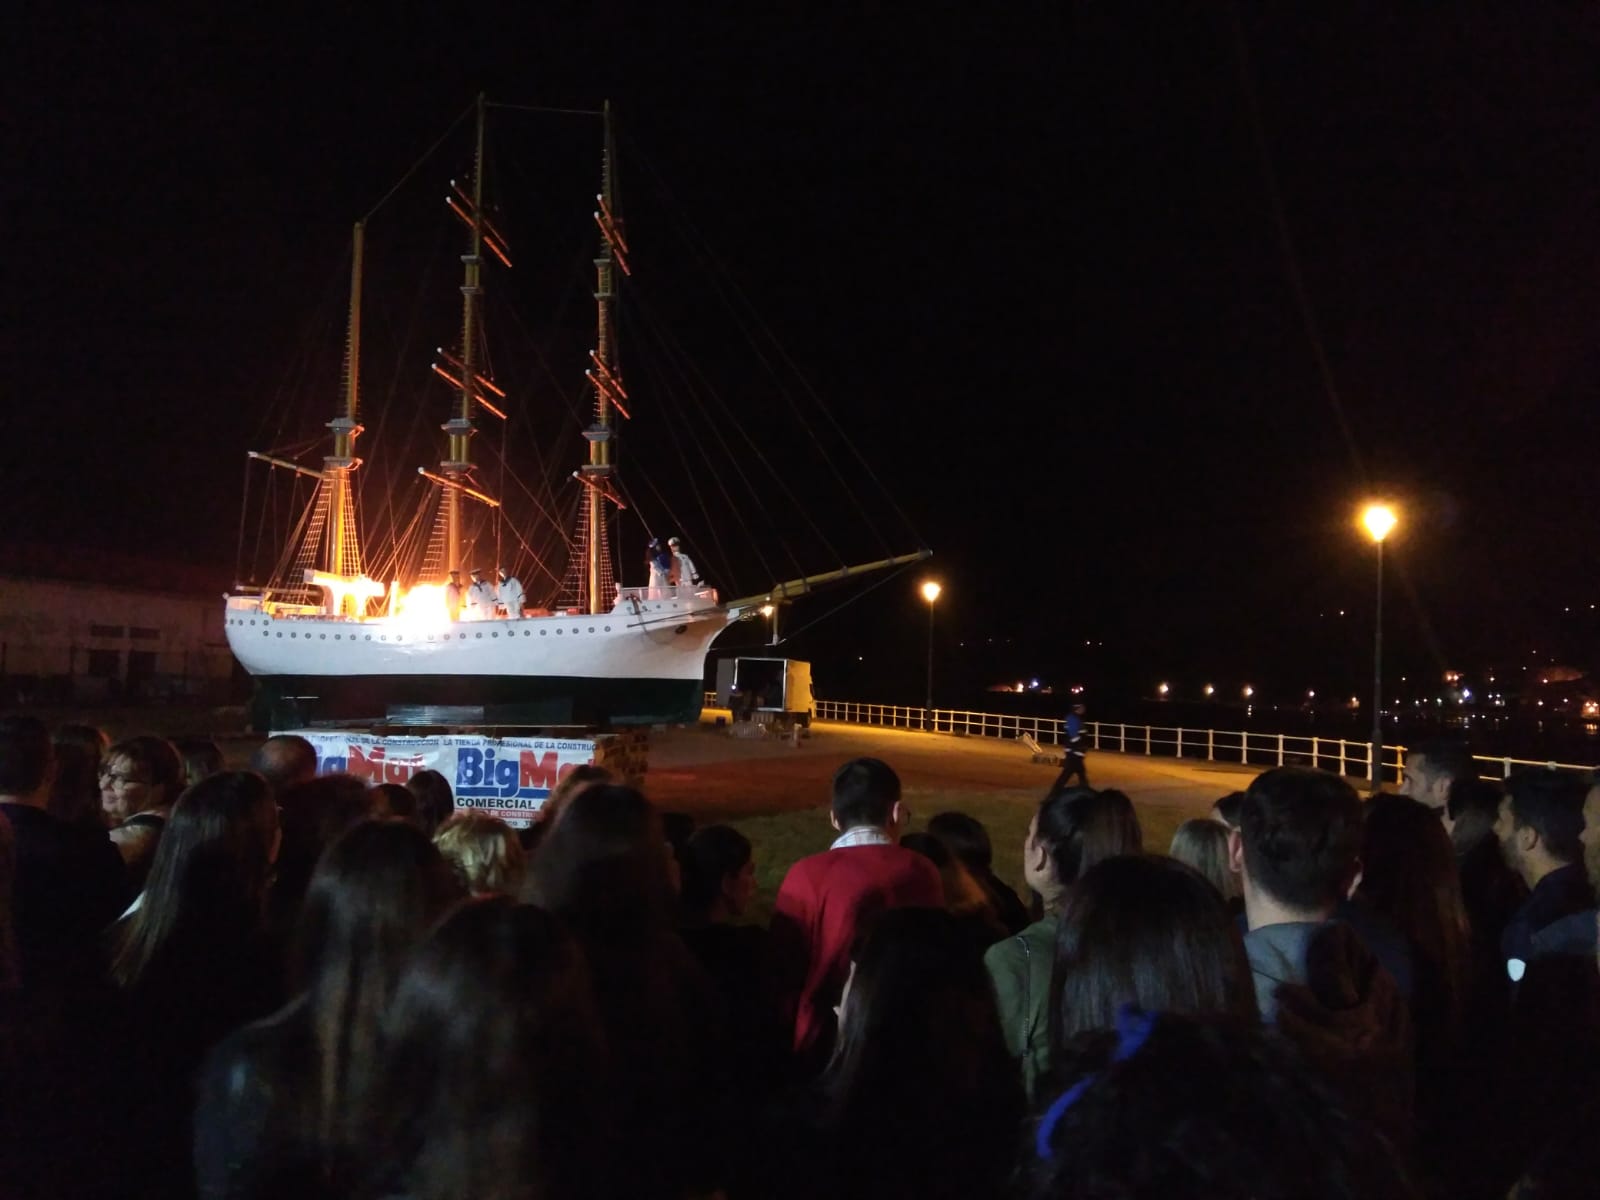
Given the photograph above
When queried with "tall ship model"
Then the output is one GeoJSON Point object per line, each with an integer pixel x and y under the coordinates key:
{"type": "Point", "coordinates": [331, 639]}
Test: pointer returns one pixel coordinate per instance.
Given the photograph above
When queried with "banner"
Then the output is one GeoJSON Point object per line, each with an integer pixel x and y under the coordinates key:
{"type": "Point", "coordinates": [509, 778]}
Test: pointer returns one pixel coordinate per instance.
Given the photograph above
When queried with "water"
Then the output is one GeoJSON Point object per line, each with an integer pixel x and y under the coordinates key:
{"type": "Point", "coordinates": [1497, 733]}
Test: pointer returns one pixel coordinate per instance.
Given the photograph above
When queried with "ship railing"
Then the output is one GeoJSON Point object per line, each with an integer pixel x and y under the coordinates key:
{"type": "Point", "coordinates": [1242, 746]}
{"type": "Point", "coordinates": [683, 591]}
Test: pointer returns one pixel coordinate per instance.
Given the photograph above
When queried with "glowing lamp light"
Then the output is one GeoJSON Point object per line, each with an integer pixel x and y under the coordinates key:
{"type": "Point", "coordinates": [1208, 689]}
{"type": "Point", "coordinates": [930, 591]}
{"type": "Point", "coordinates": [767, 610]}
{"type": "Point", "coordinates": [1310, 695]}
{"type": "Point", "coordinates": [1379, 520]}
{"type": "Point", "coordinates": [1248, 691]}
{"type": "Point", "coordinates": [1162, 689]}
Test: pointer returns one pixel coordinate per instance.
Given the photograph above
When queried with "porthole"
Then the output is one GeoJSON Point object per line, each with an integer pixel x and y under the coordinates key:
{"type": "Point", "coordinates": [280, 633]}
{"type": "Point", "coordinates": [591, 629]}
{"type": "Point", "coordinates": [369, 637]}
{"type": "Point", "coordinates": [293, 634]}
{"type": "Point", "coordinates": [608, 629]}
{"type": "Point", "coordinates": [558, 633]}
{"type": "Point", "coordinates": [322, 637]}
{"type": "Point", "coordinates": [574, 629]}
{"type": "Point", "coordinates": [494, 635]}
{"type": "Point", "coordinates": [338, 637]}
{"type": "Point", "coordinates": [544, 633]}
{"type": "Point", "coordinates": [479, 636]}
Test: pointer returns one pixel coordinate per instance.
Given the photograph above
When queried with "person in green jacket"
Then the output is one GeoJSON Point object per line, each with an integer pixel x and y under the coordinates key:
{"type": "Point", "coordinates": [1074, 828]}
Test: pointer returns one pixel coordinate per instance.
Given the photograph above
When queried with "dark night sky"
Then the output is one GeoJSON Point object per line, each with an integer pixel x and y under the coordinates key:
{"type": "Point", "coordinates": [1029, 256]}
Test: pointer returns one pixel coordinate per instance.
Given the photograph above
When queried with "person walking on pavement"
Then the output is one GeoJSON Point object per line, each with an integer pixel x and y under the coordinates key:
{"type": "Point", "coordinates": [1072, 760]}
{"type": "Point", "coordinates": [508, 593]}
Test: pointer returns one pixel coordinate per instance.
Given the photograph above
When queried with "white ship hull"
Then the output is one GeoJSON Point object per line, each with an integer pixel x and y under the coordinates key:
{"type": "Point", "coordinates": [641, 663]}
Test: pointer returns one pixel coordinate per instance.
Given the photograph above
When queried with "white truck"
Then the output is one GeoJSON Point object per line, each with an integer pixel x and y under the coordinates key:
{"type": "Point", "coordinates": [768, 691]}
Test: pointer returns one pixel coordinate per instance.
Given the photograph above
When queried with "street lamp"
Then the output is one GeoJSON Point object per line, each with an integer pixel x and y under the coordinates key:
{"type": "Point", "coordinates": [930, 593]}
{"type": "Point", "coordinates": [1379, 520]}
{"type": "Point", "coordinates": [770, 611]}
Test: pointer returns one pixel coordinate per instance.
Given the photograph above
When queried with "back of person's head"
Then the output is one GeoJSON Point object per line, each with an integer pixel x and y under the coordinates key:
{"type": "Point", "coordinates": [1082, 827]}
{"type": "Point", "coordinates": [201, 756]}
{"type": "Point", "coordinates": [920, 1057]}
{"type": "Point", "coordinates": [494, 1066]}
{"type": "Point", "coordinates": [963, 895]}
{"type": "Point", "coordinates": [435, 801]}
{"type": "Point", "coordinates": [1226, 810]}
{"type": "Point", "coordinates": [25, 755]}
{"type": "Point", "coordinates": [1448, 757]}
{"type": "Point", "coordinates": [1550, 802]}
{"type": "Point", "coordinates": [1150, 932]}
{"type": "Point", "coordinates": [208, 880]}
{"type": "Point", "coordinates": [603, 867]}
{"type": "Point", "coordinates": [484, 853]}
{"type": "Point", "coordinates": [373, 897]}
{"type": "Point", "coordinates": [1302, 836]}
{"type": "Point", "coordinates": [285, 759]}
{"type": "Point", "coordinates": [75, 793]}
{"type": "Point", "coordinates": [314, 813]}
{"type": "Point", "coordinates": [1409, 875]}
{"type": "Point", "coordinates": [865, 792]}
{"type": "Point", "coordinates": [1473, 808]}
{"type": "Point", "coordinates": [391, 802]}
{"type": "Point", "coordinates": [713, 856]}
{"type": "Point", "coordinates": [581, 777]}
{"type": "Point", "coordinates": [1203, 845]}
{"type": "Point", "coordinates": [1189, 1106]}
{"type": "Point", "coordinates": [966, 837]}
{"type": "Point", "coordinates": [153, 759]}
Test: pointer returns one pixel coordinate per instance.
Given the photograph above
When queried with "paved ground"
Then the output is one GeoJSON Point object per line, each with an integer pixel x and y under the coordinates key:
{"type": "Point", "coordinates": [777, 793]}
{"type": "Point", "coordinates": [714, 776]}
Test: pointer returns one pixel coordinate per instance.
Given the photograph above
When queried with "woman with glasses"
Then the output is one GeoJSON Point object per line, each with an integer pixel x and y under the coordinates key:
{"type": "Point", "coordinates": [140, 780]}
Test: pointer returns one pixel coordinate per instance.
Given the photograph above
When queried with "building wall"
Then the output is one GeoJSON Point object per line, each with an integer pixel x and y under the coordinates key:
{"type": "Point", "coordinates": [87, 641]}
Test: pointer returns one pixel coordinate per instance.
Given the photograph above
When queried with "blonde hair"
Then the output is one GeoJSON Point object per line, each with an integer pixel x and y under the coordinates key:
{"type": "Point", "coordinates": [483, 851]}
{"type": "Point", "coordinates": [1203, 845]}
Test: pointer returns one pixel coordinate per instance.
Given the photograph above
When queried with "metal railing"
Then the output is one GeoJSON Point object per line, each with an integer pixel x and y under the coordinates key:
{"type": "Point", "coordinates": [1209, 745]}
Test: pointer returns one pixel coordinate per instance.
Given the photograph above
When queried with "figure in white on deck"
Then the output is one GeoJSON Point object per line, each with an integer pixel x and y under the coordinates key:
{"type": "Point", "coordinates": [687, 575]}
{"type": "Point", "coordinates": [480, 598]}
{"type": "Point", "coordinates": [661, 563]}
{"type": "Point", "coordinates": [508, 592]}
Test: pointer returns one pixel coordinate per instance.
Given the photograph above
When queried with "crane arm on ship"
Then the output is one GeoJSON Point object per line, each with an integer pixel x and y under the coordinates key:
{"type": "Point", "coordinates": [749, 606]}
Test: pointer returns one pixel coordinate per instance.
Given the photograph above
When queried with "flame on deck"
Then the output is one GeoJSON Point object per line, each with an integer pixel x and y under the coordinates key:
{"type": "Point", "coordinates": [422, 608]}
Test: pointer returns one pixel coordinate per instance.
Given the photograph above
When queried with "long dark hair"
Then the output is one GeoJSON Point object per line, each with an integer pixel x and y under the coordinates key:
{"type": "Point", "coordinates": [372, 899]}
{"type": "Point", "coordinates": [75, 794]}
{"type": "Point", "coordinates": [603, 866]}
{"type": "Point", "coordinates": [208, 881]}
{"type": "Point", "coordinates": [1082, 827]}
{"type": "Point", "coordinates": [919, 1038]}
{"type": "Point", "coordinates": [1409, 874]}
{"type": "Point", "coordinates": [1150, 932]}
{"type": "Point", "coordinates": [493, 1077]}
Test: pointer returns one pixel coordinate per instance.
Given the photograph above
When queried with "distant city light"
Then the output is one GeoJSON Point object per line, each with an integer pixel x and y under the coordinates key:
{"type": "Point", "coordinates": [1248, 691]}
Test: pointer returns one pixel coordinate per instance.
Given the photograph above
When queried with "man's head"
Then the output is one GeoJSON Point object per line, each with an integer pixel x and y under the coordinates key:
{"type": "Point", "coordinates": [1591, 831]}
{"type": "Point", "coordinates": [1431, 767]}
{"type": "Point", "coordinates": [284, 760]}
{"type": "Point", "coordinates": [26, 760]}
{"type": "Point", "coordinates": [1078, 708]}
{"type": "Point", "coordinates": [477, 574]}
{"type": "Point", "coordinates": [455, 576]}
{"type": "Point", "coordinates": [1298, 845]}
{"type": "Point", "coordinates": [500, 573]}
{"type": "Point", "coordinates": [674, 542]}
{"type": "Point", "coordinates": [866, 791]}
{"type": "Point", "coordinates": [1541, 822]}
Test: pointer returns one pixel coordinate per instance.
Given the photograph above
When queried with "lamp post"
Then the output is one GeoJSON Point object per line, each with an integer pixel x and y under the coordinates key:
{"type": "Point", "coordinates": [1379, 520]}
{"type": "Point", "coordinates": [930, 593]}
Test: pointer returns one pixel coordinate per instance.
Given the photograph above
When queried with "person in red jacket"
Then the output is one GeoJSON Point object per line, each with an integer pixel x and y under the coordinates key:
{"type": "Point", "coordinates": [825, 898]}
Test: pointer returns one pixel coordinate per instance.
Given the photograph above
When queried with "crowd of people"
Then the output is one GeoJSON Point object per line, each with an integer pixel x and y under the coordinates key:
{"type": "Point", "coordinates": [268, 983]}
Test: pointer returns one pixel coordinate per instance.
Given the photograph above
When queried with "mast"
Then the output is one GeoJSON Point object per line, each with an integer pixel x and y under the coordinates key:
{"type": "Point", "coordinates": [596, 473]}
{"type": "Point", "coordinates": [457, 463]}
{"type": "Point", "coordinates": [343, 546]}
